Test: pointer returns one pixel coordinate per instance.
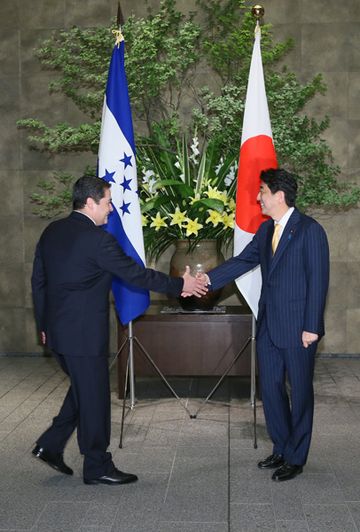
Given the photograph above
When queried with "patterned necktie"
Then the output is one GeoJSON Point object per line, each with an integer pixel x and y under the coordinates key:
{"type": "Point", "coordinates": [276, 237]}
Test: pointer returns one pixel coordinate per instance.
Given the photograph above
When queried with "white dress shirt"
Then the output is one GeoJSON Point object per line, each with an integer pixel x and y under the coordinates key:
{"type": "Point", "coordinates": [284, 220]}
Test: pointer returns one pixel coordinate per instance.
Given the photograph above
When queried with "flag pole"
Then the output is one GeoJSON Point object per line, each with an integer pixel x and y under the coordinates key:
{"type": "Point", "coordinates": [253, 376]}
{"type": "Point", "coordinates": [119, 23]}
{"type": "Point", "coordinates": [257, 12]}
{"type": "Point", "coordinates": [131, 366]}
{"type": "Point", "coordinates": [119, 17]}
{"type": "Point", "coordinates": [116, 162]}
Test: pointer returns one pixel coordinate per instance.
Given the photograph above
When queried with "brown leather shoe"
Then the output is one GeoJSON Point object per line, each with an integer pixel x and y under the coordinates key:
{"type": "Point", "coordinates": [287, 472]}
{"type": "Point", "coordinates": [272, 462]}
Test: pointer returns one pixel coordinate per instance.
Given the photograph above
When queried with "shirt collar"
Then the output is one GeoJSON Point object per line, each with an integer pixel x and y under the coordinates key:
{"type": "Point", "coordinates": [87, 216]}
{"type": "Point", "coordinates": [285, 218]}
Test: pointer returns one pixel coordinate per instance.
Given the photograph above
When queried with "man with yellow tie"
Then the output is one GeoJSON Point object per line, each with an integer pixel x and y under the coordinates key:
{"type": "Point", "coordinates": [293, 254]}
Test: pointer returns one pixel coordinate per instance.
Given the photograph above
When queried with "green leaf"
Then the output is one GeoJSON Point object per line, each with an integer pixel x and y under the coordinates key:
{"type": "Point", "coordinates": [215, 204]}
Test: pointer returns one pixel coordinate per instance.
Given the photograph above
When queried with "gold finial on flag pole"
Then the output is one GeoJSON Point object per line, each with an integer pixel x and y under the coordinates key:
{"type": "Point", "coordinates": [118, 37]}
{"type": "Point", "coordinates": [119, 22]}
{"type": "Point", "coordinates": [257, 12]}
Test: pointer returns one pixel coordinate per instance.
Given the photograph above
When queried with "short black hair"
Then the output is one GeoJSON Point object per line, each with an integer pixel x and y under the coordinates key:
{"type": "Point", "coordinates": [88, 187]}
{"type": "Point", "coordinates": [279, 179]}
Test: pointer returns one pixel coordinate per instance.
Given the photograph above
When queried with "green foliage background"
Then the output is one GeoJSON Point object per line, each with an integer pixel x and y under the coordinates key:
{"type": "Point", "coordinates": [164, 52]}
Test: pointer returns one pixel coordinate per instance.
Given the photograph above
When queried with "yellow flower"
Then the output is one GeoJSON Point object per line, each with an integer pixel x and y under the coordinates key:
{"type": "Point", "coordinates": [232, 204]}
{"type": "Point", "coordinates": [229, 220]}
{"type": "Point", "coordinates": [158, 222]}
{"type": "Point", "coordinates": [144, 220]}
{"type": "Point", "coordinates": [214, 218]}
{"type": "Point", "coordinates": [178, 217]}
{"type": "Point", "coordinates": [214, 193]}
{"type": "Point", "coordinates": [192, 227]}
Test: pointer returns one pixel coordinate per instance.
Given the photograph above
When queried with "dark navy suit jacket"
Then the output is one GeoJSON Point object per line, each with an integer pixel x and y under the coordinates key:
{"type": "Point", "coordinates": [294, 281]}
{"type": "Point", "coordinates": [74, 264]}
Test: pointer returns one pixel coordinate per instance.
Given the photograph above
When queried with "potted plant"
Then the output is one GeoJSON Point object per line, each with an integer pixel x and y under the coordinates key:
{"type": "Point", "coordinates": [187, 199]}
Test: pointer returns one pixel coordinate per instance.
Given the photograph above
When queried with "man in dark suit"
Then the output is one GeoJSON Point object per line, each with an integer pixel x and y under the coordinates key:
{"type": "Point", "coordinates": [293, 254]}
{"type": "Point", "coordinates": [74, 264]}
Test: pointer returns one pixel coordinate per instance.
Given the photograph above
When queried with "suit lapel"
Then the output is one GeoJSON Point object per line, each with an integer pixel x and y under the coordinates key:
{"type": "Point", "coordinates": [268, 251]}
{"type": "Point", "coordinates": [288, 234]}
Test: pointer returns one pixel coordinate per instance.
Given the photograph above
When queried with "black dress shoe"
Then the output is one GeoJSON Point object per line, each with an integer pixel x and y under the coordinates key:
{"type": "Point", "coordinates": [115, 477]}
{"type": "Point", "coordinates": [54, 460]}
{"type": "Point", "coordinates": [287, 472]}
{"type": "Point", "coordinates": [271, 462]}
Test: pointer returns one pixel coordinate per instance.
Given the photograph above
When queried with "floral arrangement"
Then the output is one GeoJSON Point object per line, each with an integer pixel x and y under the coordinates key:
{"type": "Point", "coordinates": [186, 193]}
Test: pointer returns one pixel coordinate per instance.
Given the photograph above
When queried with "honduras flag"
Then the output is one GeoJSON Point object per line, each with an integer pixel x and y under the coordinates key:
{"type": "Point", "coordinates": [117, 165]}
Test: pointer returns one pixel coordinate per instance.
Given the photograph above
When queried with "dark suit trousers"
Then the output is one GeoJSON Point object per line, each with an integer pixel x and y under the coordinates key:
{"type": "Point", "coordinates": [288, 419]}
{"type": "Point", "coordinates": [87, 408]}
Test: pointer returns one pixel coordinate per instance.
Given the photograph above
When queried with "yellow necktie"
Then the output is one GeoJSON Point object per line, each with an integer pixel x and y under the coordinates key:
{"type": "Point", "coordinates": [276, 237]}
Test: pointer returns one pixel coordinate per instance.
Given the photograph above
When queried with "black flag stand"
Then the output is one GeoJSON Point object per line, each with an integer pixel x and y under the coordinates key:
{"type": "Point", "coordinates": [132, 340]}
{"type": "Point", "coordinates": [251, 339]}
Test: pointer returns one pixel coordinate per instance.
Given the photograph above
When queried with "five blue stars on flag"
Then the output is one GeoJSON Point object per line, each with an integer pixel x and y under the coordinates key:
{"type": "Point", "coordinates": [109, 177]}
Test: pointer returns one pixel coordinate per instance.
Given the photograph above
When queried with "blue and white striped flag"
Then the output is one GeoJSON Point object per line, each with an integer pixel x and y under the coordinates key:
{"type": "Point", "coordinates": [117, 165]}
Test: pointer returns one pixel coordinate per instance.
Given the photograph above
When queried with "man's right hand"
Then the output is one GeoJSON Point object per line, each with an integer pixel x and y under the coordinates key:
{"type": "Point", "coordinates": [203, 277]}
{"type": "Point", "coordinates": [43, 337]}
{"type": "Point", "coordinates": [193, 286]}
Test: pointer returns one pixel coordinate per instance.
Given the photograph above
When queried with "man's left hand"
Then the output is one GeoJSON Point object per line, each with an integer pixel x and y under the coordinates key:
{"type": "Point", "coordinates": [309, 338]}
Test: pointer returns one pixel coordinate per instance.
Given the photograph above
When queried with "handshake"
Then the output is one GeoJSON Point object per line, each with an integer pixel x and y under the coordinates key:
{"type": "Point", "coordinates": [194, 286]}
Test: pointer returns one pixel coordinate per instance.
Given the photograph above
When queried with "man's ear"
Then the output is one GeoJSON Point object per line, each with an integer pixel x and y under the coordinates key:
{"type": "Point", "coordinates": [90, 203]}
{"type": "Point", "coordinates": [281, 196]}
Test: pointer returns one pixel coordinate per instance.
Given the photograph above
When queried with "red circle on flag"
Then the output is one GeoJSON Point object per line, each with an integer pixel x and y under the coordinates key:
{"type": "Point", "coordinates": [256, 154]}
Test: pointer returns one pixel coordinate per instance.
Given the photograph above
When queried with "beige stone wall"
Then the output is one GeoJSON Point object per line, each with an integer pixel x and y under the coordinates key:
{"type": "Point", "coordinates": [327, 40]}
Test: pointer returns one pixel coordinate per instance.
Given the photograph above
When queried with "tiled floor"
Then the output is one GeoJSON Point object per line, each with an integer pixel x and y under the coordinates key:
{"type": "Point", "coordinates": [195, 475]}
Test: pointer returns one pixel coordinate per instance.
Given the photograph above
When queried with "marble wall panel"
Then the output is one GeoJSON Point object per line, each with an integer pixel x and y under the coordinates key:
{"type": "Point", "coordinates": [282, 12]}
{"type": "Point", "coordinates": [335, 339]}
{"type": "Point", "coordinates": [353, 148]}
{"type": "Point", "coordinates": [32, 344]}
{"type": "Point", "coordinates": [339, 278]}
{"type": "Point", "coordinates": [89, 13]}
{"type": "Point", "coordinates": [327, 11]}
{"type": "Point", "coordinates": [353, 328]}
{"type": "Point", "coordinates": [282, 32]}
{"type": "Point", "coordinates": [354, 96]}
{"type": "Point", "coordinates": [33, 227]}
{"type": "Point", "coordinates": [28, 304]}
{"type": "Point", "coordinates": [9, 14]}
{"type": "Point", "coordinates": [335, 101]}
{"type": "Point", "coordinates": [39, 14]}
{"type": "Point", "coordinates": [354, 47]}
{"type": "Point", "coordinates": [12, 330]}
{"type": "Point", "coordinates": [9, 52]}
{"type": "Point", "coordinates": [353, 286]}
{"type": "Point", "coordinates": [36, 100]}
{"type": "Point", "coordinates": [11, 240]}
{"type": "Point", "coordinates": [11, 290]}
{"type": "Point", "coordinates": [333, 224]}
{"type": "Point", "coordinates": [325, 47]}
{"type": "Point", "coordinates": [353, 230]}
{"type": "Point", "coordinates": [30, 40]}
{"type": "Point", "coordinates": [12, 202]}
{"type": "Point", "coordinates": [338, 138]}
